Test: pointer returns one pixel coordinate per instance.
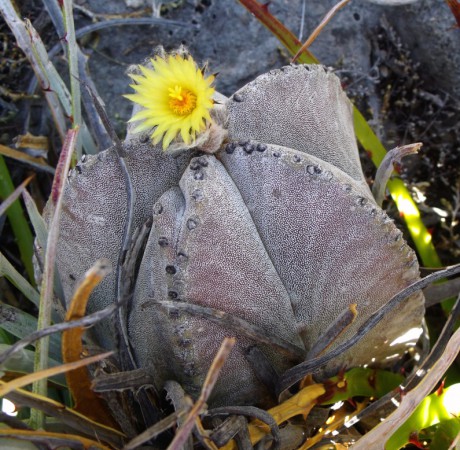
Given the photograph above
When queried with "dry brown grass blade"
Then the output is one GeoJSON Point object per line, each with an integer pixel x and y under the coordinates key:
{"type": "Point", "coordinates": [335, 329]}
{"type": "Point", "coordinates": [211, 378]}
{"type": "Point", "coordinates": [295, 374]}
{"type": "Point", "coordinates": [79, 381]}
{"type": "Point", "coordinates": [28, 140]}
{"type": "Point", "coordinates": [386, 169]}
{"type": "Point", "coordinates": [67, 416]}
{"type": "Point", "coordinates": [52, 440]}
{"type": "Point", "coordinates": [327, 18]}
{"type": "Point", "coordinates": [378, 436]}
{"type": "Point", "coordinates": [155, 430]}
{"type": "Point", "coordinates": [6, 388]}
{"type": "Point", "coordinates": [121, 381]}
{"type": "Point", "coordinates": [87, 321]}
{"type": "Point", "coordinates": [454, 6]}
{"type": "Point", "coordinates": [239, 326]}
{"type": "Point", "coordinates": [455, 442]}
{"type": "Point", "coordinates": [14, 195]}
{"type": "Point", "coordinates": [439, 292]}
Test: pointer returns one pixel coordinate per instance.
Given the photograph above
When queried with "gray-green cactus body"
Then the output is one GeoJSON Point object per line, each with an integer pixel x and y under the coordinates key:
{"type": "Point", "coordinates": [94, 215]}
{"type": "Point", "coordinates": [277, 228]}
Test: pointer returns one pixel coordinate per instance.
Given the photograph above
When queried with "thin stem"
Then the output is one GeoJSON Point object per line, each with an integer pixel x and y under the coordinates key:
{"type": "Point", "coordinates": [72, 54]}
{"type": "Point", "coordinates": [37, 418]}
{"type": "Point", "coordinates": [327, 18]}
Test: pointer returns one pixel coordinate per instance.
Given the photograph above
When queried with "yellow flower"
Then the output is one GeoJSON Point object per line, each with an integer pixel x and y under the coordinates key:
{"type": "Point", "coordinates": [176, 98]}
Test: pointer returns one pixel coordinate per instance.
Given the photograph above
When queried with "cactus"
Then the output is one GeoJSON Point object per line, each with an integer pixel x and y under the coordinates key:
{"type": "Point", "coordinates": [272, 222]}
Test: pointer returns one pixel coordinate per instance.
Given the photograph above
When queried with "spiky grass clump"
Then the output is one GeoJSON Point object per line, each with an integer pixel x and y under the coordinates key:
{"type": "Point", "coordinates": [176, 98]}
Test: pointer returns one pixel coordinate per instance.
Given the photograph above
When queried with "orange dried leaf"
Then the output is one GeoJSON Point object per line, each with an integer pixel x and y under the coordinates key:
{"type": "Point", "coordinates": [79, 381]}
{"type": "Point", "coordinates": [299, 404]}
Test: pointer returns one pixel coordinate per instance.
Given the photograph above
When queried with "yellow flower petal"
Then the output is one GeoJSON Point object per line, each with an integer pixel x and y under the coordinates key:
{"type": "Point", "coordinates": [176, 98]}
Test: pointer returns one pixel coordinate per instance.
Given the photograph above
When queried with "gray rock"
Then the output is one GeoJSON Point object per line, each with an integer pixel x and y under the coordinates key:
{"type": "Point", "coordinates": [238, 47]}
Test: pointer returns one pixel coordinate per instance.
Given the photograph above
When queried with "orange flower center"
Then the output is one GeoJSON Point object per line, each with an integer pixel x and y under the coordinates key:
{"type": "Point", "coordinates": [181, 101]}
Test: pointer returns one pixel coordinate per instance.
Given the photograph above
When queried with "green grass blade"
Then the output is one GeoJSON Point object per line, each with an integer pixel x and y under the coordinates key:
{"type": "Point", "coordinates": [401, 196]}
{"type": "Point", "coordinates": [7, 270]}
{"type": "Point", "coordinates": [14, 196]}
{"type": "Point", "coordinates": [72, 54]}
{"type": "Point", "coordinates": [5, 337]}
{"type": "Point", "coordinates": [19, 224]}
{"type": "Point", "coordinates": [21, 324]}
{"type": "Point", "coordinates": [38, 223]}
{"type": "Point", "coordinates": [26, 44]}
{"type": "Point", "coordinates": [41, 232]}
{"type": "Point", "coordinates": [23, 362]}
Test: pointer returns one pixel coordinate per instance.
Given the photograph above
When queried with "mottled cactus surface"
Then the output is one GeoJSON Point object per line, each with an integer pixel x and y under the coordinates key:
{"type": "Point", "coordinates": [278, 227]}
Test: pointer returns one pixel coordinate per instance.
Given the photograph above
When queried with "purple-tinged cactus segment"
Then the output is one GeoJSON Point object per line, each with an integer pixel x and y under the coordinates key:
{"type": "Point", "coordinates": [330, 244]}
{"type": "Point", "coordinates": [214, 258]}
{"type": "Point", "coordinates": [94, 215]}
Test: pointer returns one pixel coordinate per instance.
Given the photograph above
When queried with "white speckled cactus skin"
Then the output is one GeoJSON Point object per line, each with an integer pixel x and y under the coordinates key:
{"type": "Point", "coordinates": [278, 228]}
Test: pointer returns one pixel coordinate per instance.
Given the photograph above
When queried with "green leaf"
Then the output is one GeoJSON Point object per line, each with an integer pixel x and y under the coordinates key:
{"type": "Point", "coordinates": [41, 232]}
{"type": "Point", "coordinates": [23, 362]}
{"type": "Point", "coordinates": [17, 220]}
{"type": "Point", "coordinates": [7, 270]}
{"type": "Point", "coordinates": [362, 382]}
{"type": "Point", "coordinates": [437, 408]}
{"type": "Point", "coordinates": [21, 324]}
